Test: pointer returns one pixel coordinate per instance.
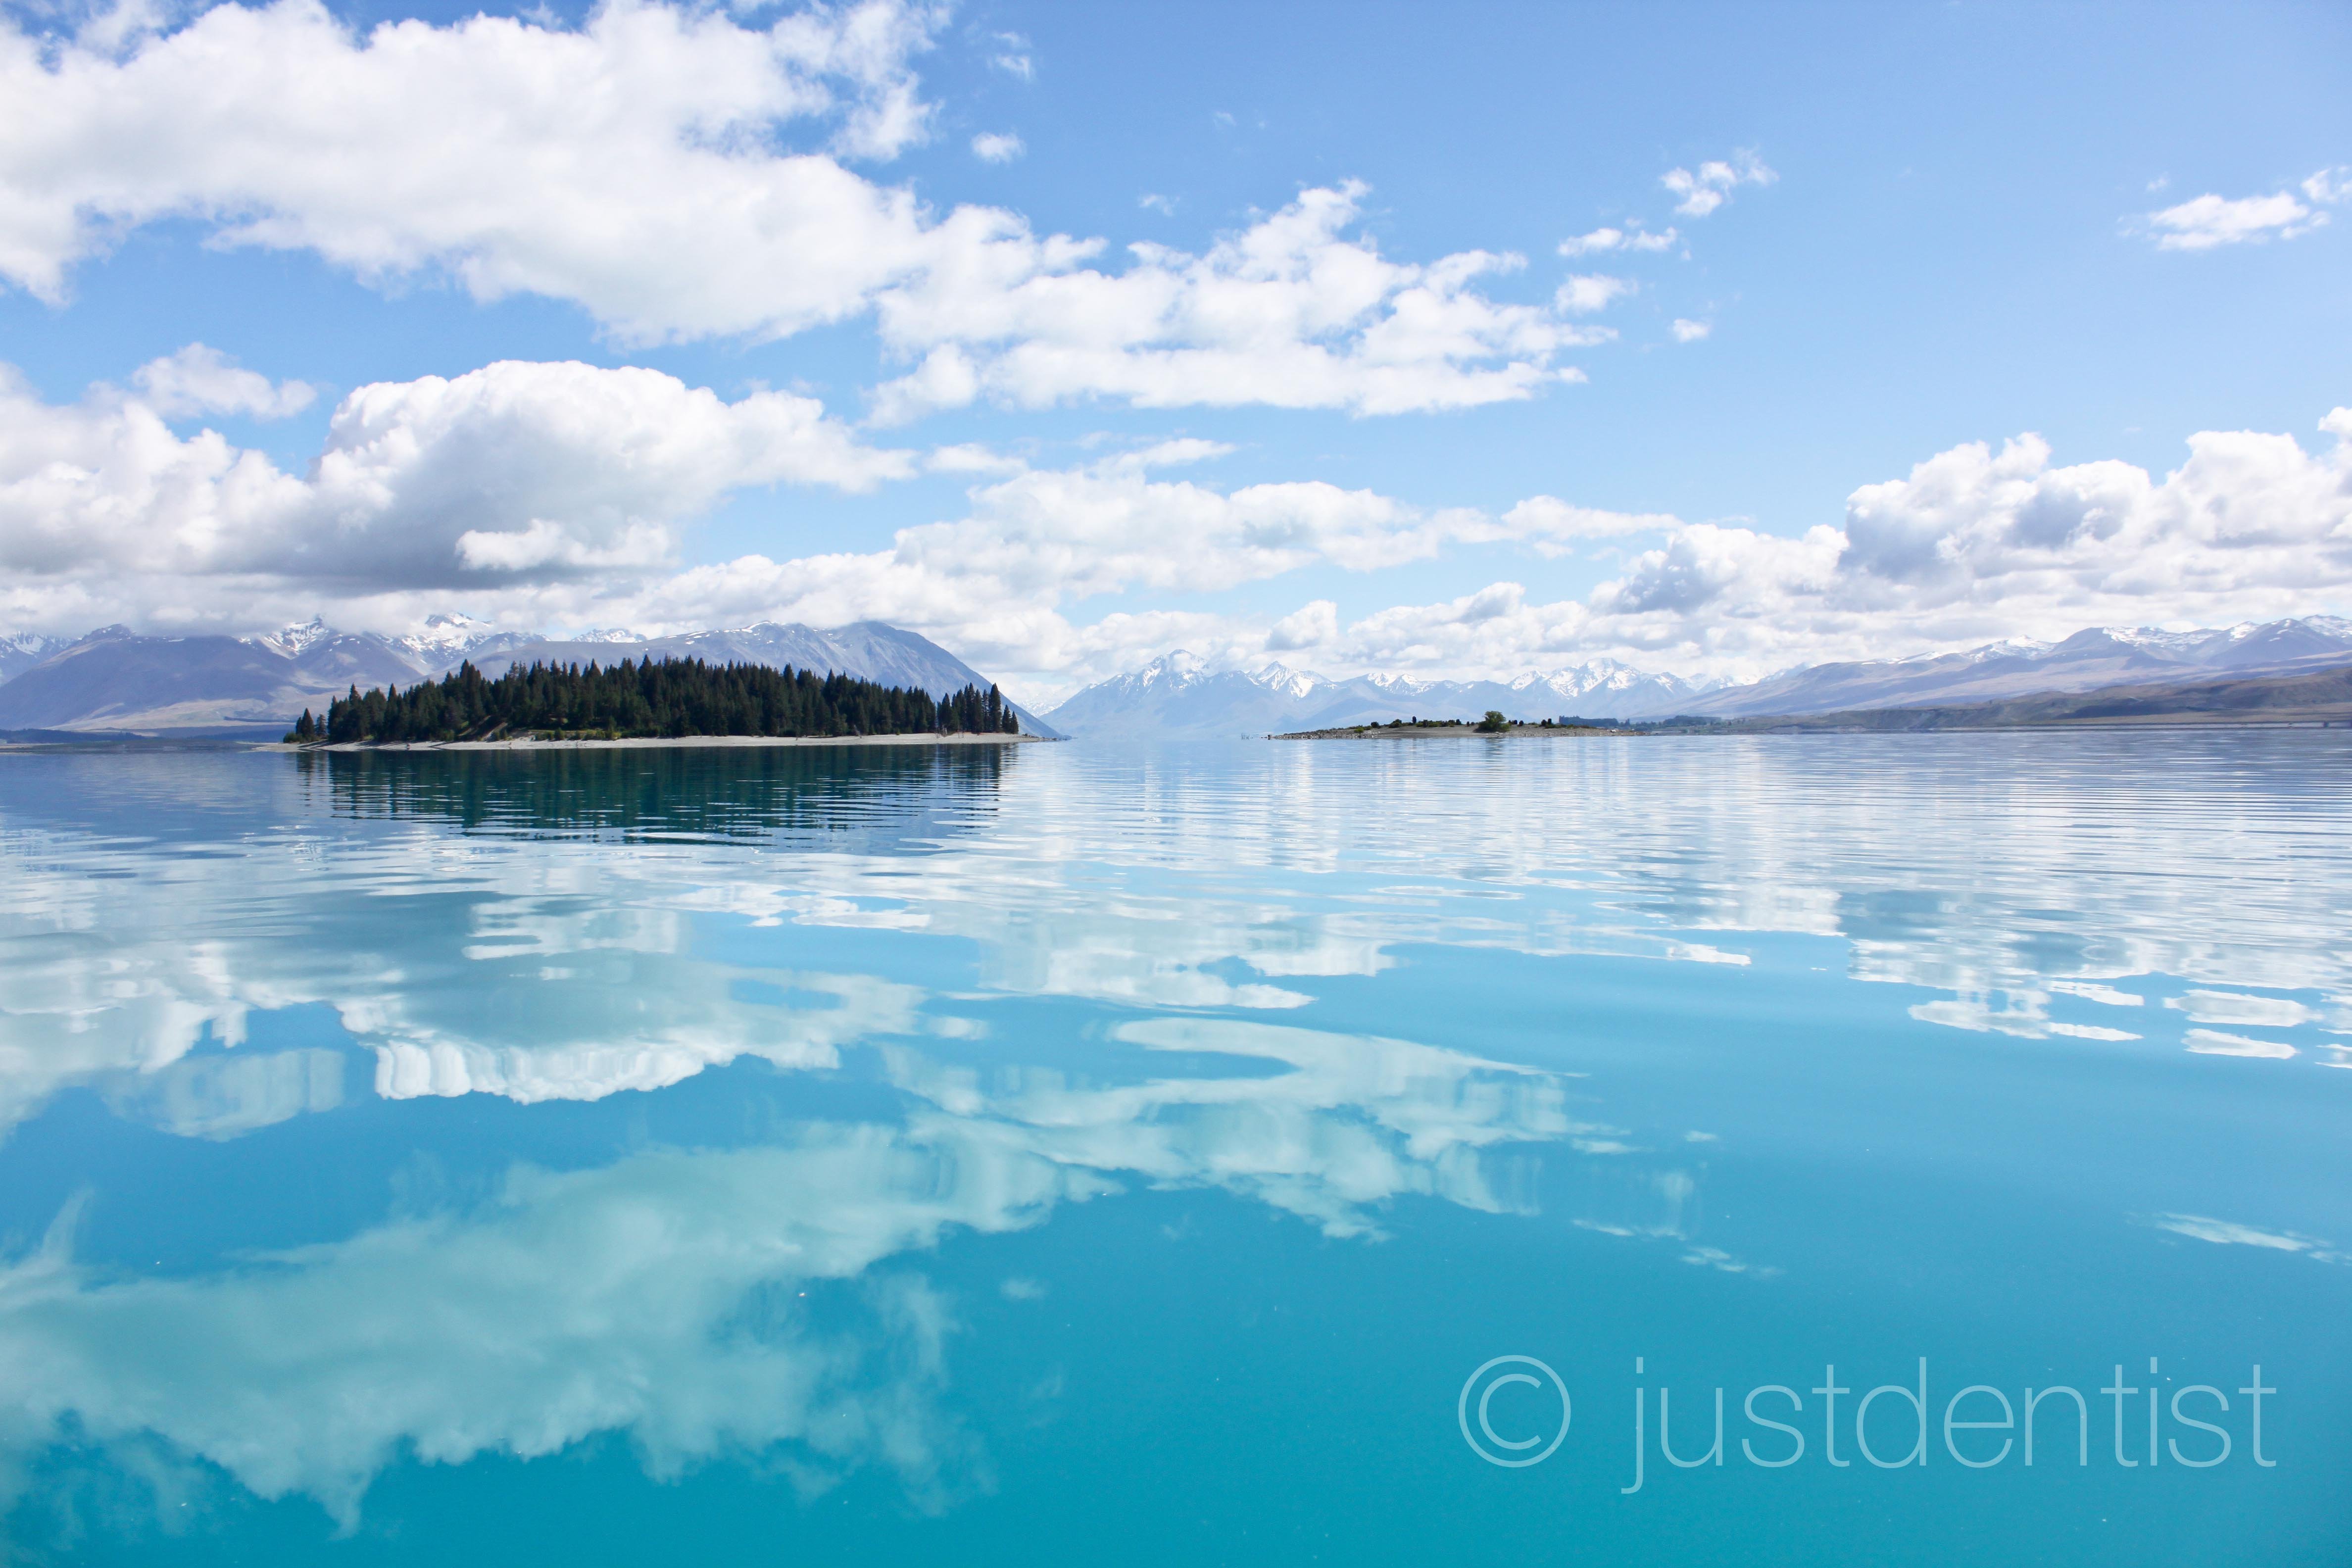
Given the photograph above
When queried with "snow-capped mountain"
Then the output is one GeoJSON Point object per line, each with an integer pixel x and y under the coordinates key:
{"type": "Point", "coordinates": [292, 642]}
{"type": "Point", "coordinates": [447, 640]}
{"type": "Point", "coordinates": [114, 680]}
{"type": "Point", "coordinates": [19, 651]}
{"type": "Point", "coordinates": [2086, 661]}
{"type": "Point", "coordinates": [1178, 696]}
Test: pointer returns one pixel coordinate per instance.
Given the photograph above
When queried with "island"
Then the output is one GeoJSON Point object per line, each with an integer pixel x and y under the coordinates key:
{"type": "Point", "coordinates": [651, 702]}
{"type": "Point", "coordinates": [1493, 724]}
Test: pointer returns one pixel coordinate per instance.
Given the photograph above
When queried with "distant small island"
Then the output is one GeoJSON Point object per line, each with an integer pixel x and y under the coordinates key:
{"type": "Point", "coordinates": [1494, 723]}
{"type": "Point", "coordinates": [651, 701]}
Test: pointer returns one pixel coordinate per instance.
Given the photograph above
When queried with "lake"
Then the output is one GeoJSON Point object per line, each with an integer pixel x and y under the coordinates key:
{"type": "Point", "coordinates": [1634, 1151]}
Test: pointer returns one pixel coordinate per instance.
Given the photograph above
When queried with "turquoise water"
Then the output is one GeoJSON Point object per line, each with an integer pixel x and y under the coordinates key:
{"type": "Point", "coordinates": [1080, 1155]}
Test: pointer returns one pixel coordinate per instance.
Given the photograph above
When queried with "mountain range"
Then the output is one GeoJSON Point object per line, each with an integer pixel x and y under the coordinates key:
{"type": "Point", "coordinates": [1178, 696]}
{"type": "Point", "coordinates": [2088, 661]}
{"type": "Point", "coordinates": [116, 681]}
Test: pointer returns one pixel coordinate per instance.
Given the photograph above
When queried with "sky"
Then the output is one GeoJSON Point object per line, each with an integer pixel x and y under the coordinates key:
{"type": "Point", "coordinates": [1451, 342]}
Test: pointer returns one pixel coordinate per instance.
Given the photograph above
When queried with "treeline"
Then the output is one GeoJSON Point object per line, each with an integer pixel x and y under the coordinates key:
{"type": "Point", "coordinates": [671, 697]}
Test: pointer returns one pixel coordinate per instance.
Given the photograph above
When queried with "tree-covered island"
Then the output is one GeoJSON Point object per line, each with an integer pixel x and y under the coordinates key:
{"type": "Point", "coordinates": [671, 698]}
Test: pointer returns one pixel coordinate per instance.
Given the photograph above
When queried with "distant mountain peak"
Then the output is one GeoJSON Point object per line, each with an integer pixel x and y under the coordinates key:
{"type": "Point", "coordinates": [1179, 668]}
{"type": "Point", "coordinates": [446, 638]}
{"type": "Point", "coordinates": [1283, 678]}
{"type": "Point", "coordinates": [293, 641]}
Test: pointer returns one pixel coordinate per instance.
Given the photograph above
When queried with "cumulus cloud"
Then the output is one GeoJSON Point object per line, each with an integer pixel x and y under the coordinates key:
{"type": "Point", "coordinates": [679, 176]}
{"type": "Point", "coordinates": [997, 147]}
{"type": "Point", "coordinates": [516, 470]}
{"type": "Point", "coordinates": [199, 379]}
{"type": "Point", "coordinates": [994, 583]}
{"type": "Point", "coordinates": [1689, 331]}
{"type": "Point", "coordinates": [1309, 625]}
{"type": "Point", "coordinates": [628, 165]}
{"type": "Point", "coordinates": [1974, 545]}
{"type": "Point", "coordinates": [2209, 221]}
{"type": "Point", "coordinates": [563, 494]}
{"type": "Point", "coordinates": [1295, 311]}
{"type": "Point", "coordinates": [559, 493]}
{"type": "Point", "coordinates": [1707, 188]}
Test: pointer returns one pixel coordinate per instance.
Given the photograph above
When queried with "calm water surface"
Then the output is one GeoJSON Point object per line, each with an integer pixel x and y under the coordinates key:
{"type": "Point", "coordinates": [1084, 1155]}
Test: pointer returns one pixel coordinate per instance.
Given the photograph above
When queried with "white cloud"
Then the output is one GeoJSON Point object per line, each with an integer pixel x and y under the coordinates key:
{"type": "Point", "coordinates": [2209, 222]}
{"type": "Point", "coordinates": [516, 470]}
{"type": "Point", "coordinates": [1009, 53]}
{"type": "Point", "coordinates": [1584, 293]}
{"type": "Point", "coordinates": [1152, 202]}
{"type": "Point", "coordinates": [1974, 546]}
{"type": "Point", "coordinates": [1309, 625]}
{"type": "Point", "coordinates": [1629, 238]}
{"type": "Point", "coordinates": [997, 147]}
{"type": "Point", "coordinates": [1689, 331]}
{"type": "Point", "coordinates": [970, 458]}
{"type": "Point", "coordinates": [627, 166]}
{"type": "Point", "coordinates": [1293, 311]}
{"type": "Point", "coordinates": [560, 494]}
{"type": "Point", "coordinates": [680, 176]}
{"type": "Point", "coordinates": [1714, 181]}
{"type": "Point", "coordinates": [992, 582]}
{"type": "Point", "coordinates": [1552, 526]}
{"type": "Point", "coordinates": [199, 379]}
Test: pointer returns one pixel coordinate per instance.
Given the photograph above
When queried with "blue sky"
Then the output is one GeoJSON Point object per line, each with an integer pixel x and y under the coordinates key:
{"type": "Point", "coordinates": [1937, 228]}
